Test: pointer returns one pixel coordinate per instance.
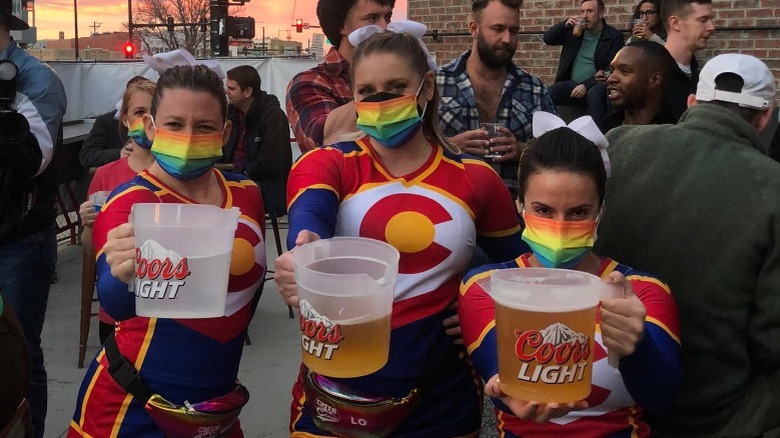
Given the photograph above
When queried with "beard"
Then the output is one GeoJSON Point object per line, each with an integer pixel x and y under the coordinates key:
{"type": "Point", "coordinates": [493, 57]}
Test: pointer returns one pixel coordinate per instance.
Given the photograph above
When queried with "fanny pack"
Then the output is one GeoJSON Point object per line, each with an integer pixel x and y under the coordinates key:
{"type": "Point", "coordinates": [350, 413]}
{"type": "Point", "coordinates": [207, 419]}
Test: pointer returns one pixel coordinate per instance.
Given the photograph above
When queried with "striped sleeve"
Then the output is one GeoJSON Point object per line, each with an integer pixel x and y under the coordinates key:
{"type": "Point", "coordinates": [112, 292]}
{"type": "Point", "coordinates": [477, 321]}
{"type": "Point", "coordinates": [498, 228]}
{"type": "Point", "coordinates": [653, 373]}
{"type": "Point", "coordinates": [313, 195]}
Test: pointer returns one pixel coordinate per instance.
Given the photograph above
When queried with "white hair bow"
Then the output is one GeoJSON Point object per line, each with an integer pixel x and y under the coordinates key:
{"type": "Point", "coordinates": [163, 61]}
{"type": "Point", "coordinates": [413, 28]}
{"type": "Point", "coordinates": [585, 126]}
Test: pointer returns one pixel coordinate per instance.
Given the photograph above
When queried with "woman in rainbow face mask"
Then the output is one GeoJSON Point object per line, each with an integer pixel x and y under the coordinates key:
{"type": "Point", "coordinates": [181, 360]}
{"type": "Point", "coordinates": [401, 183]}
{"type": "Point", "coordinates": [135, 103]}
{"type": "Point", "coordinates": [562, 181]}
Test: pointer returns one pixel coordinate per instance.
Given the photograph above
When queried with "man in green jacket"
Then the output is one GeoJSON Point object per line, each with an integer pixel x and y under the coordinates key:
{"type": "Point", "coordinates": [698, 204]}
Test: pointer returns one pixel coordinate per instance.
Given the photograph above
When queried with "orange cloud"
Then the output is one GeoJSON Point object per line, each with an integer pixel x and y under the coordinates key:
{"type": "Point", "coordinates": [53, 16]}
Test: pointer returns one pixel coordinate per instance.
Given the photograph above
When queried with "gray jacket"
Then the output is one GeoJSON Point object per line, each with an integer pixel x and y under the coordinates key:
{"type": "Point", "coordinates": [698, 204]}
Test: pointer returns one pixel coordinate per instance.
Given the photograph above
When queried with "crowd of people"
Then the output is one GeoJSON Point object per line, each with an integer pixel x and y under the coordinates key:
{"type": "Point", "coordinates": [665, 172]}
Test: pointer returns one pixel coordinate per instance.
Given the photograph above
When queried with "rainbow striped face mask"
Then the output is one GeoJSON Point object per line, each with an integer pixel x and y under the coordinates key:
{"type": "Point", "coordinates": [389, 118]}
{"type": "Point", "coordinates": [137, 132]}
{"type": "Point", "coordinates": [559, 244]}
{"type": "Point", "coordinates": [186, 156]}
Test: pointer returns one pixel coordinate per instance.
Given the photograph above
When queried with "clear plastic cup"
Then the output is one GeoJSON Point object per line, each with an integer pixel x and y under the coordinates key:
{"type": "Point", "coordinates": [345, 288]}
{"type": "Point", "coordinates": [493, 132]}
{"type": "Point", "coordinates": [99, 198]}
{"type": "Point", "coordinates": [182, 262]}
{"type": "Point", "coordinates": [578, 27]}
{"type": "Point", "coordinates": [545, 323]}
{"type": "Point", "coordinates": [634, 23]}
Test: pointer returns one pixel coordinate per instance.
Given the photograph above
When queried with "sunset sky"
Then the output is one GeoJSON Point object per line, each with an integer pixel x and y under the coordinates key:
{"type": "Point", "coordinates": [57, 15]}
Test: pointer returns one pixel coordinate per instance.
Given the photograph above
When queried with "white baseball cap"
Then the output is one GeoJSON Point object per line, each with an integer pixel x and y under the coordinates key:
{"type": "Point", "coordinates": [759, 84]}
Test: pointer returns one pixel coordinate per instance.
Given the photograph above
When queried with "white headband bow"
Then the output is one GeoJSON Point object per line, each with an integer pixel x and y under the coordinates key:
{"type": "Point", "coordinates": [584, 126]}
{"type": "Point", "coordinates": [163, 61]}
{"type": "Point", "coordinates": [413, 28]}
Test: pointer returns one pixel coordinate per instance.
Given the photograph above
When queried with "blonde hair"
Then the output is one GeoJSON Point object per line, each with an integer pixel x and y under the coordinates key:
{"type": "Point", "coordinates": [142, 85]}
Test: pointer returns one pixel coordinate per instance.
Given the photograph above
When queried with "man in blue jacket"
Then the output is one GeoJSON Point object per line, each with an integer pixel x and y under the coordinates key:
{"type": "Point", "coordinates": [581, 78]}
{"type": "Point", "coordinates": [30, 127]}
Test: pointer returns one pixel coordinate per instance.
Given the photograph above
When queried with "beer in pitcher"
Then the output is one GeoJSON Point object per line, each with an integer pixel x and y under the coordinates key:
{"type": "Point", "coordinates": [545, 322]}
{"type": "Point", "coordinates": [345, 287]}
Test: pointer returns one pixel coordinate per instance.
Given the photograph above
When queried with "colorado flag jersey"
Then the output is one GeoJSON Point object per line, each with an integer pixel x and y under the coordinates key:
{"type": "Point", "coordinates": [433, 216]}
{"type": "Point", "coordinates": [180, 359]}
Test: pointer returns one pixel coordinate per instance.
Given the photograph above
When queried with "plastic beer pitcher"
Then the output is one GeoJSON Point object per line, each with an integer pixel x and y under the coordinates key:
{"type": "Point", "coordinates": [182, 259]}
{"type": "Point", "coordinates": [345, 288]}
{"type": "Point", "coordinates": [545, 323]}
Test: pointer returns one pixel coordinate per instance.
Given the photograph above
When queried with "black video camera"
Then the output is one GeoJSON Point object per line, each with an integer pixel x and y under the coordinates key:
{"type": "Point", "coordinates": [14, 127]}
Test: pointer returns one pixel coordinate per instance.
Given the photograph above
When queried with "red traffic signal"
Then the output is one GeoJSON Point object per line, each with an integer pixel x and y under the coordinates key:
{"type": "Point", "coordinates": [299, 25]}
{"type": "Point", "coordinates": [129, 51]}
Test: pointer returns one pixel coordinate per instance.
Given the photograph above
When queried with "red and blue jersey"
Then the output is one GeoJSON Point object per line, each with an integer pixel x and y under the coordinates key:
{"type": "Point", "coordinates": [434, 216]}
{"type": "Point", "coordinates": [647, 379]}
{"type": "Point", "coordinates": [180, 359]}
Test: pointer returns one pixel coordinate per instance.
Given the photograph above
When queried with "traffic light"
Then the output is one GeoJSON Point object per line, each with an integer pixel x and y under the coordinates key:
{"type": "Point", "coordinates": [241, 27]}
{"type": "Point", "coordinates": [299, 25]}
{"type": "Point", "coordinates": [204, 25]}
{"type": "Point", "coordinates": [170, 24]}
{"type": "Point", "coordinates": [129, 51]}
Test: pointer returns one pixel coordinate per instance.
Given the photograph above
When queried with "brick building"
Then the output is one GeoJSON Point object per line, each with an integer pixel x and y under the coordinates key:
{"type": "Point", "coordinates": [745, 26]}
{"type": "Point", "coordinates": [114, 41]}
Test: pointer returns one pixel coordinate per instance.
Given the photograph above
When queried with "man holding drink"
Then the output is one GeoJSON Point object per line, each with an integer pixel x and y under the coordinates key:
{"type": "Point", "coordinates": [588, 45]}
{"type": "Point", "coordinates": [482, 87]}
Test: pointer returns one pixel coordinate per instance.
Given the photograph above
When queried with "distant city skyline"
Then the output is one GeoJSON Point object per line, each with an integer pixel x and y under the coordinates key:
{"type": "Point", "coordinates": [278, 17]}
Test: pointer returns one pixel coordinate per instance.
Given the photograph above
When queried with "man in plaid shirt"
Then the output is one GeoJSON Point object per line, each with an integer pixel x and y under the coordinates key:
{"type": "Point", "coordinates": [484, 86]}
{"type": "Point", "coordinates": [319, 101]}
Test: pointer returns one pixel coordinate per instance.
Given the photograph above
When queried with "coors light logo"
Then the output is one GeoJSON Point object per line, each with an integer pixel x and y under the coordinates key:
{"type": "Point", "coordinates": [556, 354]}
{"type": "Point", "coordinates": [159, 272]}
{"type": "Point", "coordinates": [319, 335]}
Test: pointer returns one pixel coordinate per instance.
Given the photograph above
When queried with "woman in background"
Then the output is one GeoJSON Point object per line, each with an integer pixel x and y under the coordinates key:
{"type": "Point", "coordinates": [135, 103]}
{"type": "Point", "coordinates": [649, 27]}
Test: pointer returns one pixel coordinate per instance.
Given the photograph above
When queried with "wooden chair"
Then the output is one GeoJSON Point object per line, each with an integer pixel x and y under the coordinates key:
{"type": "Point", "coordinates": [87, 295]}
{"type": "Point", "coordinates": [67, 171]}
{"type": "Point", "coordinates": [278, 240]}
{"type": "Point", "coordinates": [20, 425]}
{"type": "Point", "coordinates": [70, 225]}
